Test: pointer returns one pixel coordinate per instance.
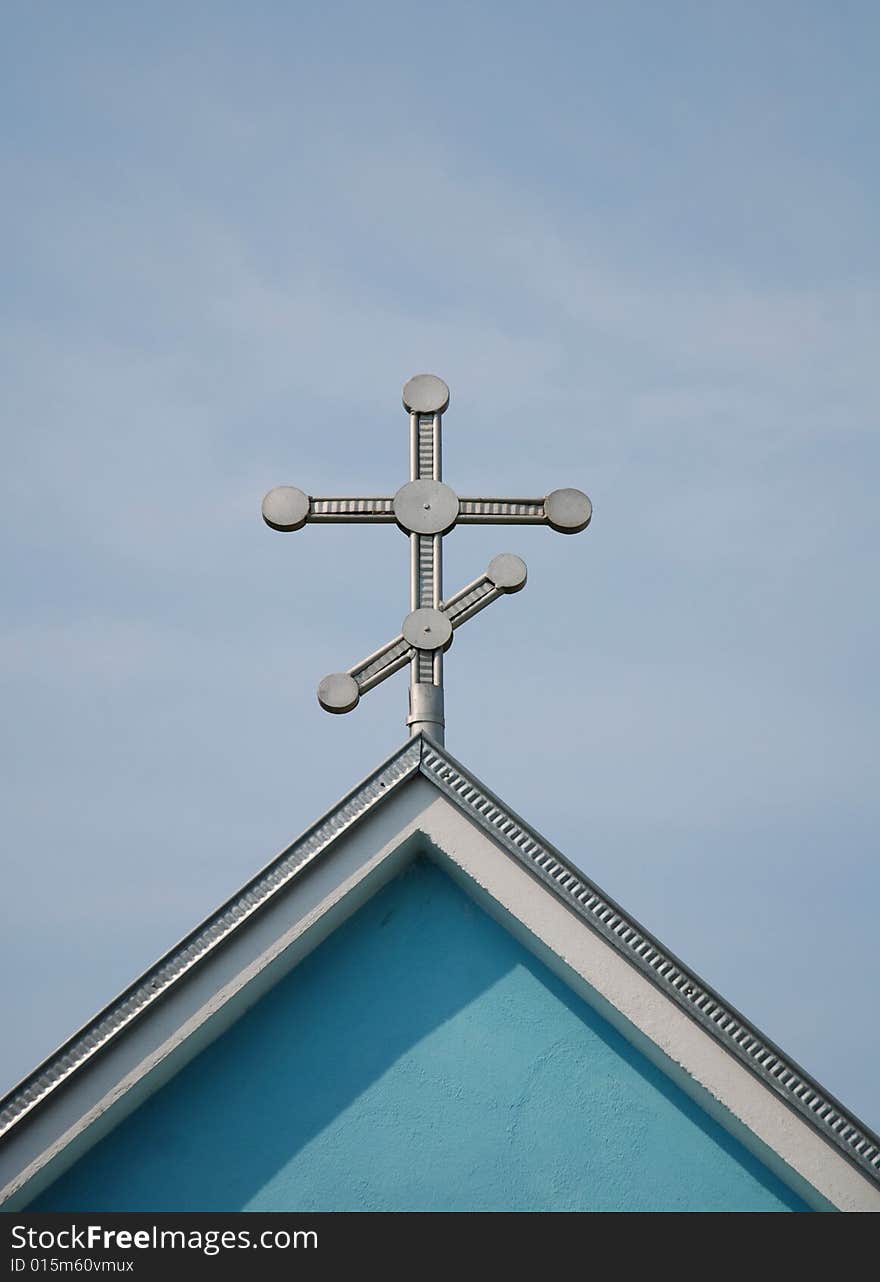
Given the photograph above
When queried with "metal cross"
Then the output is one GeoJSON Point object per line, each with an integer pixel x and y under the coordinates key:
{"type": "Point", "coordinates": [425, 509]}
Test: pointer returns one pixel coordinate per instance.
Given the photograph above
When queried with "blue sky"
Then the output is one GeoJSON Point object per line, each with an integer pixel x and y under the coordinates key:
{"type": "Point", "coordinates": [640, 243]}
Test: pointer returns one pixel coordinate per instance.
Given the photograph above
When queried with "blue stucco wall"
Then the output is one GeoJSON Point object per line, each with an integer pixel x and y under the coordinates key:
{"type": "Point", "coordinates": [420, 1059]}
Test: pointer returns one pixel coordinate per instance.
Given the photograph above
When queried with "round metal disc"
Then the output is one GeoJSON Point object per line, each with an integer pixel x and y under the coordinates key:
{"type": "Point", "coordinates": [338, 693]}
{"type": "Point", "coordinates": [425, 394]}
{"type": "Point", "coordinates": [286, 508]}
{"type": "Point", "coordinates": [568, 511]}
{"type": "Point", "coordinates": [426, 507]}
{"type": "Point", "coordinates": [427, 630]}
{"type": "Point", "coordinates": [507, 572]}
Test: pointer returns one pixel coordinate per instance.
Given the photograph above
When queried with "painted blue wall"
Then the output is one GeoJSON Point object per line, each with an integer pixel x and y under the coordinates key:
{"type": "Point", "coordinates": [420, 1059]}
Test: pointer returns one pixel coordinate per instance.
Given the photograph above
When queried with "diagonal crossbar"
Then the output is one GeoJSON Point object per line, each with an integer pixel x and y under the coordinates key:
{"type": "Point", "coordinates": [341, 691]}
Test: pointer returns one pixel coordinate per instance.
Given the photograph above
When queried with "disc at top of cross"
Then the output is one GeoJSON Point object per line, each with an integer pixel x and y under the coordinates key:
{"type": "Point", "coordinates": [425, 509]}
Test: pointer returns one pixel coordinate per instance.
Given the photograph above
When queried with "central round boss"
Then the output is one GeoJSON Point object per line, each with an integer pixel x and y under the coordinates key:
{"type": "Point", "coordinates": [427, 629]}
{"type": "Point", "coordinates": [425, 507]}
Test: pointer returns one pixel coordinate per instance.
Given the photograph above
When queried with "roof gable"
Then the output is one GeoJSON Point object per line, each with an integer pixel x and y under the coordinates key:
{"type": "Point", "coordinates": [419, 1026]}
{"type": "Point", "coordinates": [422, 799]}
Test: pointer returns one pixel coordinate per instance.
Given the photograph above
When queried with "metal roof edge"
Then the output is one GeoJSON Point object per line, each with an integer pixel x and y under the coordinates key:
{"type": "Point", "coordinates": [859, 1144]}
{"type": "Point", "coordinates": [82, 1046]}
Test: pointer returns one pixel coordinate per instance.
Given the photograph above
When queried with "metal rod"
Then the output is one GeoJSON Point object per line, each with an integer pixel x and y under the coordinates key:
{"type": "Point", "coordinates": [475, 608]}
{"type": "Point", "coordinates": [438, 540]}
{"type": "Point", "coordinates": [437, 577]}
{"type": "Point", "coordinates": [489, 511]}
{"type": "Point", "coordinates": [426, 585]}
{"type": "Point", "coordinates": [351, 510]}
{"type": "Point", "coordinates": [413, 571]}
{"type": "Point", "coordinates": [377, 654]}
{"type": "Point", "coordinates": [390, 668]}
{"type": "Point", "coordinates": [465, 591]}
{"type": "Point", "coordinates": [438, 463]}
{"type": "Point", "coordinates": [414, 538]}
{"type": "Point", "coordinates": [414, 599]}
{"type": "Point", "coordinates": [413, 447]}
{"type": "Point", "coordinates": [437, 552]}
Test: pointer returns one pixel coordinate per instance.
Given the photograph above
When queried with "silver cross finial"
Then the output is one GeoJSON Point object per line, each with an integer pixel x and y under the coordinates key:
{"type": "Point", "coordinates": [425, 509]}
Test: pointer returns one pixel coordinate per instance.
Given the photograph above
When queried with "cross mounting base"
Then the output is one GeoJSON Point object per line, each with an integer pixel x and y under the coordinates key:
{"type": "Point", "coordinates": [426, 711]}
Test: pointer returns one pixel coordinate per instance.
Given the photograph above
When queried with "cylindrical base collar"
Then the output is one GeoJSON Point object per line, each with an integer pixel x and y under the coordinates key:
{"type": "Point", "coordinates": [426, 711]}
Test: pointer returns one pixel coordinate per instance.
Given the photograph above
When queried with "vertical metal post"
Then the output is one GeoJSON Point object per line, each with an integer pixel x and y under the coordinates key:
{"type": "Point", "coordinates": [414, 538]}
{"type": "Point", "coordinates": [438, 545]}
{"type": "Point", "coordinates": [426, 583]}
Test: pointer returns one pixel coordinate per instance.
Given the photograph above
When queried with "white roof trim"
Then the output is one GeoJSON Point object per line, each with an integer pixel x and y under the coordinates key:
{"type": "Point", "coordinates": [205, 982]}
